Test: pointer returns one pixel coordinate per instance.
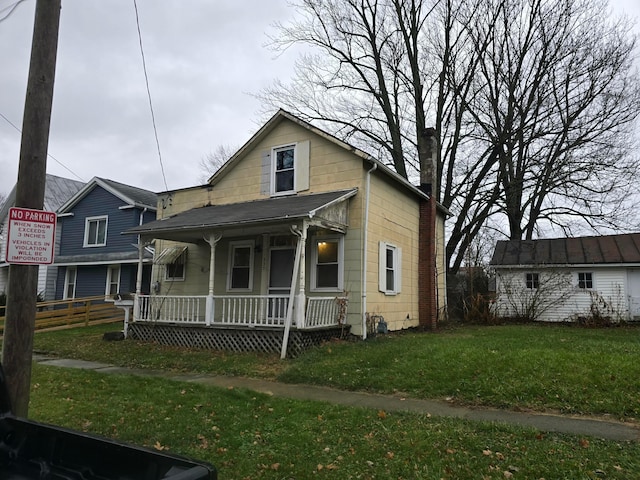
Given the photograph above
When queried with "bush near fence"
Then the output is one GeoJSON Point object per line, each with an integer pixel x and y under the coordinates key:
{"type": "Point", "coordinates": [74, 312]}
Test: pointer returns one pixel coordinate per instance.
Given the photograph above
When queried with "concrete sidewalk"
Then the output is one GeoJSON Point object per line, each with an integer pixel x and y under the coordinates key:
{"type": "Point", "coordinates": [599, 428]}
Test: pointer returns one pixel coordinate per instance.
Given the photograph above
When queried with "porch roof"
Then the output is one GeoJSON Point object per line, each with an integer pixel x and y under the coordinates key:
{"type": "Point", "coordinates": [245, 214]}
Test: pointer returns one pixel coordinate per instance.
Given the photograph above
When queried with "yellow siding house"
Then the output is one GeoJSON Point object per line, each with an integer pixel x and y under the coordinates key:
{"type": "Point", "coordinates": [297, 238]}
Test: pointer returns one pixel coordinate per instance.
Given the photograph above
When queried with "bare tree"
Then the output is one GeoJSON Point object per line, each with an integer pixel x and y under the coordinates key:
{"type": "Point", "coordinates": [533, 101]}
{"type": "Point", "coordinates": [214, 160]}
{"type": "Point", "coordinates": [555, 99]}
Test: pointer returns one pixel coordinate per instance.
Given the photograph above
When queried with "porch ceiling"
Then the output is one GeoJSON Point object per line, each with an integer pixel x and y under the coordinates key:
{"type": "Point", "coordinates": [189, 226]}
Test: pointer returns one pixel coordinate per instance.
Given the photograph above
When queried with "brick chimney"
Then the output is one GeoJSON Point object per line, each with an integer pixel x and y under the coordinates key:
{"type": "Point", "coordinates": [427, 280]}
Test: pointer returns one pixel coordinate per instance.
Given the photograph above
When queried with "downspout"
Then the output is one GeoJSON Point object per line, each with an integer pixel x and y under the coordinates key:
{"type": "Point", "coordinates": [365, 230]}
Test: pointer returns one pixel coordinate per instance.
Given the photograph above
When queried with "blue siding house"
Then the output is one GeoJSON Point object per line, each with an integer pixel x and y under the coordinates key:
{"type": "Point", "coordinates": [95, 258]}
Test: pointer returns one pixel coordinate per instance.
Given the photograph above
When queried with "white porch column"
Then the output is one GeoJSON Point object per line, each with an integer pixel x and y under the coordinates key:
{"type": "Point", "coordinates": [295, 277]}
{"type": "Point", "coordinates": [301, 296]}
{"type": "Point", "coordinates": [212, 239]}
{"type": "Point", "coordinates": [136, 299]}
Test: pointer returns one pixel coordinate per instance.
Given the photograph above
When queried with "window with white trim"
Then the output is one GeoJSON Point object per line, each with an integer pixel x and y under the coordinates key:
{"type": "Point", "coordinates": [585, 280]}
{"type": "Point", "coordinates": [95, 231]}
{"type": "Point", "coordinates": [113, 280]}
{"type": "Point", "coordinates": [175, 269]}
{"type": "Point", "coordinates": [389, 267]}
{"type": "Point", "coordinates": [532, 280]}
{"type": "Point", "coordinates": [327, 258]}
{"type": "Point", "coordinates": [283, 170]}
{"type": "Point", "coordinates": [240, 277]}
{"type": "Point", "coordinates": [70, 283]}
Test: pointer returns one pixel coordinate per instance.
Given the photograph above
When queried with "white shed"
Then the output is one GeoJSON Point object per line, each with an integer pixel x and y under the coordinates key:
{"type": "Point", "coordinates": [569, 279]}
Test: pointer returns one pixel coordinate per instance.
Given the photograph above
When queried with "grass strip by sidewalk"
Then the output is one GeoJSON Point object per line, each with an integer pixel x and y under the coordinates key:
{"type": "Point", "coordinates": [539, 367]}
{"type": "Point", "coordinates": [249, 435]}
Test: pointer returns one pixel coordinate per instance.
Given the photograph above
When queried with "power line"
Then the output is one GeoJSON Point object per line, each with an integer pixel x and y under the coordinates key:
{"type": "Point", "coordinates": [146, 79]}
{"type": "Point", "coordinates": [11, 9]}
{"type": "Point", "coordinates": [48, 154]}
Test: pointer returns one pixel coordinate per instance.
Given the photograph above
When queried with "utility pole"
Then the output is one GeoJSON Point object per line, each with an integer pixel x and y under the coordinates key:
{"type": "Point", "coordinates": [22, 289]}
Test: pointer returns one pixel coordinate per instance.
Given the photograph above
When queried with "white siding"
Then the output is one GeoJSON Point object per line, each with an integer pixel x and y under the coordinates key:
{"type": "Point", "coordinates": [559, 298]}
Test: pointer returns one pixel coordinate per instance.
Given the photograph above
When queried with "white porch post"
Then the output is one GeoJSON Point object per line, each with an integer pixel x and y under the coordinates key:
{"type": "Point", "coordinates": [301, 297]}
{"type": "Point", "coordinates": [300, 245]}
{"type": "Point", "coordinates": [136, 299]}
{"type": "Point", "coordinates": [212, 239]}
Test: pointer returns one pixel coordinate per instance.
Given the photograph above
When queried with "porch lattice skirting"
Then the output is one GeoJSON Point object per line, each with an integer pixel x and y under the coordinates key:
{"type": "Point", "coordinates": [266, 340]}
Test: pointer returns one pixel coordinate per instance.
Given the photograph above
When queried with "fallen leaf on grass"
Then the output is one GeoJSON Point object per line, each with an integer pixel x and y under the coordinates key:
{"type": "Point", "coordinates": [158, 446]}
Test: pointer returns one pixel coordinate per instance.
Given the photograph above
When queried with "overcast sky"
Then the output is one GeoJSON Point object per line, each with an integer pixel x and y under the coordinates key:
{"type": "Point", "coordinates": [204, 59]}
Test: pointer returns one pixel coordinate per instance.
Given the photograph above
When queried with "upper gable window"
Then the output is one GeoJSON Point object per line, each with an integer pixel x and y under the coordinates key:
{"type": "Point", "coordinates": [283, 180]}
{"type": "Point", "coordinates": [95, 231]}
{"type": "Point", "coordinates": [285, 169]}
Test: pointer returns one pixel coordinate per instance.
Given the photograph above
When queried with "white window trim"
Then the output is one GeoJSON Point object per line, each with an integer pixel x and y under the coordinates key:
{"type": "Point", "coordinates": [183, 255]}
{"type": "Point", "coordinates": [274, 151]}
{"type": "Point", "coordinates": [314, 263]}
{"type": "Point", "coordinates": [593, 281]}
{"type": "Point", "coordinates": [110, 269]}
{"type": "Point", "coordinates": [382, 268]}
{"type": "Point", "coordinates": [232, 246]}
{"type": "Point", "coordinates": [534, 276]}
{"type": "Point", "coordinates": [86, 231]}
{"type": "Point", "coordinates": [66, 283]}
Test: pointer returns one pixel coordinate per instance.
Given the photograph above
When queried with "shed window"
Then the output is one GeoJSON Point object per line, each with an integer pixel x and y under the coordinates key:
{"type": "Point", "coordinates": [532, 280]}
{"type": "Point", "coordinates": [585, 280]}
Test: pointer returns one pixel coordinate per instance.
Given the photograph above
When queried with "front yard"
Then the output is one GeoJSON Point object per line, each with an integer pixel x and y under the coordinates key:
{"type": "Point", "coordinates": [540, 367]}
{"type": "Point", "coordinates": [250, 436]}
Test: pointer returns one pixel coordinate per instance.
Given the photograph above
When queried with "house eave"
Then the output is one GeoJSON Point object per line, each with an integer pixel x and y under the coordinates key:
{"type": "Point", "coordinates": [565, 266]}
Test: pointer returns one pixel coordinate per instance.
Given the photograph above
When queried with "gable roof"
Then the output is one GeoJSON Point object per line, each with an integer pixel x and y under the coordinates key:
{"type": "Point", "coordinates": [282, 115]}
{"type": "Point", "coordinates": [56, 192]}
{"type": "Point", "coordinates": [132, 196]}
{"type": "Point", "coordinates": [592, 250]}
{"type": "Point", "coordinates": [241, 214]}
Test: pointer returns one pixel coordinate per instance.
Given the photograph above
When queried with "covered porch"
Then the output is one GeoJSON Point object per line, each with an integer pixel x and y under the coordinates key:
{"type": "Point", "coordinates": [247, 276]}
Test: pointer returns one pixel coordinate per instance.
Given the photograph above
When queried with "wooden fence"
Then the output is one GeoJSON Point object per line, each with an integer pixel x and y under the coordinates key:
{"type": "Point", "coordinates": [73, 312]}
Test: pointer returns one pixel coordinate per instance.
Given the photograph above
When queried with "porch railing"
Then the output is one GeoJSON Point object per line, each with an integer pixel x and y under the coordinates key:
{"type": "Point", "coordinates": [240, 310]}
{"type": "Point", "coordinates": [325, 311]}
{"type": "Point", "coordinates": [174, 309]}
{"type": "Point", "coordinates": [252, 310]}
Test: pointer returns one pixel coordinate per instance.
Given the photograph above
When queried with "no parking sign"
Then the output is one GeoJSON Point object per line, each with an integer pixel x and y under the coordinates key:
{"type": "Point", "coordinates": [30, 236]}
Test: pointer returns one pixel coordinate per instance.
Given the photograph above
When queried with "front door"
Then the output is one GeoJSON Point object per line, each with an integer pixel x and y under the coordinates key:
{"type": "Point", "coordinates": [281, 262]}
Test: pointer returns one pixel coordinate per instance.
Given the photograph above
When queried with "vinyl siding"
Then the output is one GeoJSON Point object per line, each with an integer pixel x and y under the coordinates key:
{"type": "Point", "coordinates": [98, 203]}
{"type": "Point", "coordinates": [562, 300]}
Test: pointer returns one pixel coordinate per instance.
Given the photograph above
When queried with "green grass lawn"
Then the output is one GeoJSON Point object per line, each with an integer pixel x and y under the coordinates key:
{"type": "Point", "coordinates": [540, 367]}
{"type": "Point", "coordinates": [254, 436]}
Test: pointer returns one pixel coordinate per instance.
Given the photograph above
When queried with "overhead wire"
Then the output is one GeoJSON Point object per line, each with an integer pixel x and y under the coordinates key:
{"type": "Point", "coordinates": [146, 79]}
{"type": "Point", "coordinates": [48, 154]}
{"type": "Point", "coordinates": [11, 9]}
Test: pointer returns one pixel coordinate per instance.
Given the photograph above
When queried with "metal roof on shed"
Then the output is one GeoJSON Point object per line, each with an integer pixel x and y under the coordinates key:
{"type": "Point", "coordinates": [605, 249]}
